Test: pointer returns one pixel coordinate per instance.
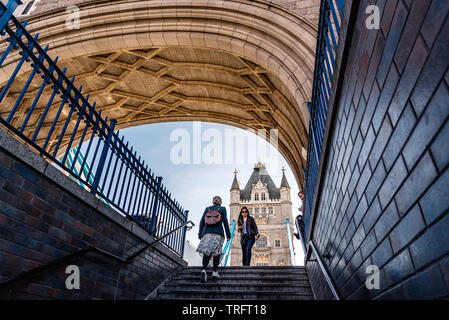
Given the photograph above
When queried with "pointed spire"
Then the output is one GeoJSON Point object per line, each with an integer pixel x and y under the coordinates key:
{"type": "Point", "coordinates": [235, 183]}
{"type": "Point", "coordinates": [259, 164]}
{"type": "Point", "coordinates": [284, 182]}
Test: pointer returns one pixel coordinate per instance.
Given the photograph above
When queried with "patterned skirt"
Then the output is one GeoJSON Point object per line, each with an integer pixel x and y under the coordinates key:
{"type": "Point", "coordinates": [211, 244]}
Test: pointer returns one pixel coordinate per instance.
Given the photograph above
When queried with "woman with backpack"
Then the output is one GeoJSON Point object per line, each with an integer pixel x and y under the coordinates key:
{"type": "Point", "coordinates": [212, 236]}
{"type": "Point", "coordinates": [249, 234]}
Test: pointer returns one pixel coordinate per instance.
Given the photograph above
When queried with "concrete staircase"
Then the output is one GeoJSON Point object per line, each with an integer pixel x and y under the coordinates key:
{"type": "Point", "coordinates": [237, 283]}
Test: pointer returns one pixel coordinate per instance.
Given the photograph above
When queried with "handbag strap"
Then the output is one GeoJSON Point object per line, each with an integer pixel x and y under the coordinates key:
{"type": "Point", "coordinates": [208, 208]}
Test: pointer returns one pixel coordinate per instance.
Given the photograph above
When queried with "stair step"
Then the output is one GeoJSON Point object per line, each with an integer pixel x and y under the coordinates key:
{"type": "Point", "coordinates": [233, 295]}
{"type": "Point", "coordinates": [254, 272]}
{"type": "Point", "coordinates": [230, 276]}
{"type": "Point", "coordinates": [213, 288]}
{"type": "Point", "coordinates": [244, 281]}
{"type": "Point", "coordinates": [239, 283]}
{"type": "Point", "coordinates": [251, 269]}
{"type": "Point", "coordinates": [259, 298]}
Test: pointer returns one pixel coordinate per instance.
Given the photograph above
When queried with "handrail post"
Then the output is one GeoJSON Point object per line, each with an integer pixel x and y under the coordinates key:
{"type": "Point", "coordinates": [184, 231]}
{"type": "Point", "coordinates": [102, 160]}
{"type": "Point", "coordinates": [11, 6]}
{"type": "Point", "coordinates": [330, 281]}
{"type": "Point", "coordinates": [155, 204]}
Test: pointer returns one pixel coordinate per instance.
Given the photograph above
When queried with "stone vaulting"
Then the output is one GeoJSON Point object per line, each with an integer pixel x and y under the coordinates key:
{"type": "Point", "coordinates": [243, 63]}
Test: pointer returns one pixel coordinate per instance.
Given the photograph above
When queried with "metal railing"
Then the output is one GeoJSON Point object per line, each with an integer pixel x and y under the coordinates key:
{"type": "Point", "coordinates": [324, 269]}
{"type": "Point", "coordinates": [227, 247]}
{"type": "Point", "coordinates": [326, 51]}
{"type": "Point", "coordinates": [56, 117]}
{"type": "Point", "coordinates": [326, 54]}
{"type": "Point", "coordinates": [290, 244]}
{"type": "Point", "coordinates": [27, 274]}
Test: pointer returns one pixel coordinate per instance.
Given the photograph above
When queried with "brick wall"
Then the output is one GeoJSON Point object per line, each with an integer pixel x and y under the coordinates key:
{"type": "Point", "coordinates": [44, 215]}
{"type": "Point", "coordinates": [385, 194]}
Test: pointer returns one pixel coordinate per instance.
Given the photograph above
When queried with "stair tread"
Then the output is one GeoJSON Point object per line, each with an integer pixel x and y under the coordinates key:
{"type": "Point", "coordinates": [246, 276]}
{"type": "Point", "coordinates": [252, 267]}
{"type": "Point", "coordinates": [244, 272]}
{"type": "Point", "coordinates": [238, 284]}
{"type": "Point", "coordinates": [257, 292]}
{"type": "Point", "coordinates": [305, 297]}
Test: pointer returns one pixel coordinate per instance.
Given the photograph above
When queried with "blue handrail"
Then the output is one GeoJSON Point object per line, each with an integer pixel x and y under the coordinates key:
{"type": "Point", "coordinates": [326, 51]}
{"type": "Point", "coordinates": [227, 248]}
{"type": "Point", "coordinates": [290, 244]}
{"type": "Point", "coordinates": [68, 120]}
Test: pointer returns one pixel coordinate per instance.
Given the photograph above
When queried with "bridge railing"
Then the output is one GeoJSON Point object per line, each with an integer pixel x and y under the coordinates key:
{"type": "Point", "coordinates": [326, 51]}
{"type": "Point", "coordinates": [52, 116]}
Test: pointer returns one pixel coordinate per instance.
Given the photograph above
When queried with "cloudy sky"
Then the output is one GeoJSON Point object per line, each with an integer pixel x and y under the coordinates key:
{"type": "Point", "coordinates": [197, 161]}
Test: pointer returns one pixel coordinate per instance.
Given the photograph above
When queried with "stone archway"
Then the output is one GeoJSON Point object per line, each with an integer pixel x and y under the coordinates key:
{"type": "Point", "coordinates": [244, 63]}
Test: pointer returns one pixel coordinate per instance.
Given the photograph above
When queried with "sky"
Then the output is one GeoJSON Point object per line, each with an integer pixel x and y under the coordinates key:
{"type": "Point", "coordinates": [197, 161]}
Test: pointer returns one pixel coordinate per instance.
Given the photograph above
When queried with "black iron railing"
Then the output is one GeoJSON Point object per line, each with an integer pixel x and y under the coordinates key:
{"type": "Point", "coordinates": [28, 274]}
{"type": "Point", "coordinates": [326, 51]}
{"type": "Point", "coordinates": [59, 118]}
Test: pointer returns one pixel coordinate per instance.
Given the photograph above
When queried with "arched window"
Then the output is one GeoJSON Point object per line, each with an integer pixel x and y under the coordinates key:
{"type": "Point", "coordinates": [261, 242]}
{"type": "Point", "coordinates": [256, 197]}
{"type": "Point", "coordinates": [262, 196]}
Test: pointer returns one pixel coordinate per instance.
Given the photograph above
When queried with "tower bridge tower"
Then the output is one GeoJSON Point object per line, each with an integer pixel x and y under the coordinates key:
{"type": "Point", "coordinates": [270, 206]}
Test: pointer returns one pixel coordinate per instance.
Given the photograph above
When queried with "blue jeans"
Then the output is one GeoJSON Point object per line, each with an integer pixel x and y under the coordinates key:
{"type": "Point", "coordinates": [247, 243]}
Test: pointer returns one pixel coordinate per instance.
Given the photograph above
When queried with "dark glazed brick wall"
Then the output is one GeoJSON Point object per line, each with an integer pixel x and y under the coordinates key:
{"type": "Point", "coordinates": [385, 195]}
{"type": "Point", "coordinates": [41, 221]}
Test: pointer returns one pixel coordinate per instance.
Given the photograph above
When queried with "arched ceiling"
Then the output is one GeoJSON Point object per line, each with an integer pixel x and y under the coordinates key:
{"type": "Point", "coordinates": [244, 63]}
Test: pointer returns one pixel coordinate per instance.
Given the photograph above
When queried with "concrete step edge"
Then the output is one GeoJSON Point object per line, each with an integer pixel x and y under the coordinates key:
{"type": "Point", "coordinates": [234, 285]}
{"type": "Point", "coordinates": [231, 292]}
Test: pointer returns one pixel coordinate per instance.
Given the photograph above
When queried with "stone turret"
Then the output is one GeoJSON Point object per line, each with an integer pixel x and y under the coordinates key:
{"type": "Point", "coordinates": [284, 188]}
{"type": "Point", "coordinates": [270, 206]}
{"type": "Point", "coordinates": [234, 199]}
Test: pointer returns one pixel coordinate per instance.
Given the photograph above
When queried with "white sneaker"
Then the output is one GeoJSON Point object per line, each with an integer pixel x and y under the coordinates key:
{"type": "Point", "coordinates": [215, 274]}
{"type": "Point", "coordinates": [203, 276]}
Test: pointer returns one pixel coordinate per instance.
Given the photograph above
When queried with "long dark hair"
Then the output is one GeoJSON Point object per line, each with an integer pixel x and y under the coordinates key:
{"type": "Point", "coordinates": [240, 219]}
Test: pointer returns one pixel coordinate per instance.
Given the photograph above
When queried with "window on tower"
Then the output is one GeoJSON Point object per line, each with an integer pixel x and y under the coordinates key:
{"type": "Point", "coordinates": [261, 242]}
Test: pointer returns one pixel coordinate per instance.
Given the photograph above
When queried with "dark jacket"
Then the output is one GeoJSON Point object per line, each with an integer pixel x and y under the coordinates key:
{"type": "Point", "coordinates": [251, 226]}
{"type": "Point", "coordinates": [300, 222]}
{"type": "Point", "coordinates": [203, 229]}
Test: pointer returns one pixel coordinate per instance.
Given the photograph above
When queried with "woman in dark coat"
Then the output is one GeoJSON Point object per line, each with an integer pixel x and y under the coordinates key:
{"type": "Point", "coordinates": [212, 238]}
{"type": "Point", "coordinates": [249, 234]}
